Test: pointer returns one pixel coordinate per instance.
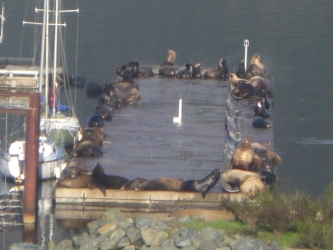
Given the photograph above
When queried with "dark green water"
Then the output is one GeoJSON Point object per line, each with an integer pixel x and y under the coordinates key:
{"type": "Point", "coordinates": [294, 39]}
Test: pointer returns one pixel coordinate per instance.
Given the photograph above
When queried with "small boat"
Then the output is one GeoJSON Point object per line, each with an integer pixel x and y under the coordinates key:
{"type": "Point", "coordinates": [58, 123]}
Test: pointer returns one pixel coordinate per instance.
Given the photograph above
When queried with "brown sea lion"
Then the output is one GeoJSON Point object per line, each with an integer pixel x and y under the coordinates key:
{"type": "Point", "coordinates": [243, 155]}
{"type": "Point", "coordinates": [161, 184]}
{"type": "Point", "coordinates": [222, 71]}
{"type": "Point", "coordinates": [236, 81]}
{"type": "Point", "coordinates": [165, 69]}
{"type": "Point", "coordinates": [80, 181]}
{"type": "Point", "coordinates": [171, 58]}
{"type": "Point", "coordinates": [204, 185]}
{"type": "Point", "coordinates": [264, 158]}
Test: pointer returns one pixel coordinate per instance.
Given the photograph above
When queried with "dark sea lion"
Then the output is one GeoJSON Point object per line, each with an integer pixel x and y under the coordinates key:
{"type": "Point", "coordinates": [204, 185]}
{"type": "Point", "coordinates": [101, 179]}
{"type": "Point", "coordinates": [260, 109]}
{"type": "Point", "coordinates": [166, 71]}
{"type": "Point", "coordinates": [222, 71]}
{"type": "Point", "coordinates": [95, 121]}
{"type": "Point", "coordinates": [241, 70]}
{"type": "Point", "coordinates": [264, 159]}
{"type": "Point", "coordinates": [243, 155]}
{"type": "Point", "coordinates": [74, 170]}
{"type": "Point", "coordinates": [260, 86]}
{"type": "Point", "coordinates": [146, 72]}
{"type": "Point", "coordinates": [86, 149]}
{"type": "Point", "coordinates": [187, 72]}
{"type": "Point", "coordinates": [243, 90]}
{"type": "Point", "coordinates": [197, 70]}
{"type": "Point", "coordinates": [133, 184]}
{"type": "Point", "coordinates": [105, 111]}
{"type": "Point", "coordinates": [132, 67]}
{"type": "Point", "coordinates": [161, 184]}
{"type": "Point", "coordinates": [259, 122]}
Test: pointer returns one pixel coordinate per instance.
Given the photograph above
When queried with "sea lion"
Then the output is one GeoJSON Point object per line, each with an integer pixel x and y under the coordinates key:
{"type": "Point", "coordinates": [95, 131]}
{"type": "Point", "coordinates": [171, 58]}
{"type": "Point", "coordinates": [133, 184]}
{"type": "Point", "coordinates": [101, 179]}
{"type": "Point", "coordinates": [165, 69]}
{"type": "Point", "coordinates": [187, 72]}
{"type": "Point", "coordinates": [243, 155]}
{"type": "Point", "coordinates": [86, 149]}
{"type": "Point", "coordinates": [95, 121]}
{"type": "Point", "coordinates": [203, 185]}
{"type": "Point", "coordinates": [161, 184]}
{"type": "Point", "coordinates": [241, 70]}
{"type": "Point", "coordinates": [132, 67]}
{"type": "Point", "coordinates": [236, 81]}
{"type": "Point", "coordinates": [264, 159]}
{"type": "Point", "coordinates": [257, 68]}
{"type": "Point", "coordinates": [259, 122]}
{"type": "Point", "coordinates": [80, 181]}
{"type": "Point", "coordinates": [260, 108]}
{"type": "Point", "coordinates": [197, 70]}
{"type": "Point", "coordinates": [127, 90]}
{"type": "Point", "coordinates": [105, 111]}
{"type": "Point", "coordinates": [260, 86]}
{"type": "Point", "coordinates": [222, 71]}
{"type": "Point", "coordinates": [73, 171]}
{"type": "Point", "coordinates": [146, 72]}
{"type": "Point", "coordinates": [243, 90]}
{"type": "Point", "coordinates": [251, 186]}
{"type": "Point", "coordinates": [231, 178]}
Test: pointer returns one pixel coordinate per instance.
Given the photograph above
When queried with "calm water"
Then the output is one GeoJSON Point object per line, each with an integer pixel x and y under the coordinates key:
{"type": "Point", "coordinates": [294, 39]}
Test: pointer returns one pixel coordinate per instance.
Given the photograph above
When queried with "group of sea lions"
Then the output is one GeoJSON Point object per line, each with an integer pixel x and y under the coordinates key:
{"type": "Point", "coordinates": [79, 177]}
{"type": "Point", "coordinates": [254, 82]}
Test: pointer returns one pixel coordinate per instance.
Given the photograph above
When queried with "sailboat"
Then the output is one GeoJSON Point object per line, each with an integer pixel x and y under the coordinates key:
{"type": "Point", "coordinates": [59, 124]}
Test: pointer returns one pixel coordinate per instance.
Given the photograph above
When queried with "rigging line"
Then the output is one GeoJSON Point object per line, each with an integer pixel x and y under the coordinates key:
{"type": "Point", "coordinates": [77, 52]}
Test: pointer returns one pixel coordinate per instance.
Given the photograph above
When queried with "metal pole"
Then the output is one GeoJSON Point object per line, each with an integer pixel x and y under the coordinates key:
{"type": "Point", "coordinates": [31, 159]}
{"type": "Point", "coordinates": [246, 44]}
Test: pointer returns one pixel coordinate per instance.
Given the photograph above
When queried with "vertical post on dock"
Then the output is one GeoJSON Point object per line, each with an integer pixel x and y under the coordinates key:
{"type": "Point", "coordinates": [31, 159]}
{"type": "Point", "coordinates": [246, 44]}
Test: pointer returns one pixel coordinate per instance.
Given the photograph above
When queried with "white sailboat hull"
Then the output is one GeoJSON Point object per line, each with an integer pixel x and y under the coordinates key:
{"type": "Point", "coordinates": [51, 160]}
{"type": "Point", "coordinates": [61, 129]}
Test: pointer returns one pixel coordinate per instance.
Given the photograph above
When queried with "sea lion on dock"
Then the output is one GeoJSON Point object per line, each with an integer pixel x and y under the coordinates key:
{"type": "Point", "coordinates": [132, 67]}
{"type": "Point", "coordinates": [161, 184]}
{"type": "Point", "coordinates": [222, 71]}
{"type": "Point", "coordinates": [243, 155]}
{"type": "Point", "coordinates": [80, 181]}
{"type": "Point", "coordinates": [105, 111]}
{"type": "Point", "coordinates": [95, 121]}
{"type": "Point", "coordinates": [243, 90]}
{"type": "Point", "coordinates": [204, 185]}
{"type": "Point", "coordinates": [241, 70]}
{"type": "Point", "coordinates": [260, 108]}
{"type": "Point", "coordinates": [264, 158]}
{"type": "Point", "coordinates": [165, 69]}
{"type": "Point", "coordinates": [259, 122]}
{"type": "Point", "coordinates": [251, 186]}
{"type": "Point", "coordinates": [187, 72]}
{"type": "Point", "coordinates": [101, 179]}
{"type": "Point", "coordinates": [86, 149]}
{"type": "Point", "coordinates": [235, 180]}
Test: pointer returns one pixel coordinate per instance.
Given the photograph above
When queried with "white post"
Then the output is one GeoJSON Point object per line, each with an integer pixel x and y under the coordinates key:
{"type": "Point", "coordinates": [178, 119]}
{"type": "Point", "coordinates": [2, 16]}
{"type": "Point", "coordinates": [246, 44]}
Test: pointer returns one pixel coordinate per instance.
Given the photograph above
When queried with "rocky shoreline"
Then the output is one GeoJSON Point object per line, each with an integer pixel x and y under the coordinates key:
{"type": "Point", "coordinates": [114, 231]}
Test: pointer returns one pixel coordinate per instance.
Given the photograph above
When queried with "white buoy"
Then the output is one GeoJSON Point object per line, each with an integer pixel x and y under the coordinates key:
{"type": "Point", "coordinates": [246, 44]}
{"type": "Point", "coordinates": [178, 119]}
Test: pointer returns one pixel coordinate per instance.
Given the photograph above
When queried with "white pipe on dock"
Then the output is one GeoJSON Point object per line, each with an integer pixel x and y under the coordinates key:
{"type": "Point", "coordinates": [246, 44]}
{"type": "Point", "coordinates": [178, 119]}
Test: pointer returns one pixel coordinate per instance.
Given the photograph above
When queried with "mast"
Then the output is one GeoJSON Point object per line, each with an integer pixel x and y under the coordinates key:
{"type": "Point", "coordinates": [2, 16]}
{"type": "Point", "coordinates": [54, 87]}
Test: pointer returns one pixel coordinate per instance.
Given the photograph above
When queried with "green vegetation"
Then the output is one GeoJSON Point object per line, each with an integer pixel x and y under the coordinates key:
{"type": "Point", "coordinates": [291, 220]}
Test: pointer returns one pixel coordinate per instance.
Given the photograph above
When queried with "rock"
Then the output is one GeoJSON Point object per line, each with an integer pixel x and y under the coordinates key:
{"type": "Point", "coordinates": [249, 244]}
{"type": "Point", "coordinates": [184, 237]}
{"type": "Point", "coordinates": [153, 237]}
{"type": "Point", "coordinates": [64, 244]}
{"type": "Point", "coordinates": [133, 235]}
{"type": "Point", "coordinates": [25, 246]}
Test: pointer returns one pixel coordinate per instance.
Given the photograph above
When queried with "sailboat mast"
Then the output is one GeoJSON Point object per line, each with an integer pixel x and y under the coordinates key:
{"type": "Point", "coordinates": [54, 104]}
